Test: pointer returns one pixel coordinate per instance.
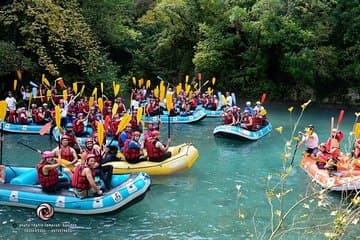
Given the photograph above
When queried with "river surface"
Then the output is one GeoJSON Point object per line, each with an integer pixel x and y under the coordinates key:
{"type": "Point", "coordinates": [201, 203]}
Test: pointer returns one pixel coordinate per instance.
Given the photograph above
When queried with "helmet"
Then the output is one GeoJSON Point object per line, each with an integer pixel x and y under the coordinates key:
{"type": "Point", "coordinates": [248, 103]}
{"type": "Point", "coordinates": [89, 140]}
{"type": "Point", "coordinates": [136, 134]}
{"type": "Point", "coordinates": [311, 126]}
{"type": "Point", "coordinates": [90, 156]}
{"type": "Point", "coordinates": [155, 133]}
{"type": "Point", "coordinates": [69, 125]}
{"type": "Point", "coordinates": [65, 137]}
{"type": "Point", "coordinates": [246, 111]}
{"type": "Point", "coordinates": [129, 125]}
{"type": "Point", "coordinates": [80, 114]}
{"type": "Point", "coordinates": [258, 102]}
{"type": "Point", "coordinates": [47, 154]}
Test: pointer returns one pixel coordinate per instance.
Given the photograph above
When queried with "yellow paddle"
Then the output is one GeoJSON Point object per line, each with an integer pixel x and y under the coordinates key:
{"type": "Point", "coordinates": [124, 121]}
{"type": "Point", "coordinates": [223, 99]}
{"type": "Point", "coordinates": [82, 90]}
{"type": "Point", "coordinates": [134, 81]}
{"type": "Point", "coordinates": [139, 114]}
{"type": "Point", "coordinates": [162, 91]}
{"type": "Point", "coordinates": [357, 130]}
{"type": "Point", "coordinates": [213, 81]}
{"type": "Point", "coordinates": [91, 101]}
{"type": "Point", "coordinates": [156, 91]}
{"type": "Point", "coordinates": [65, 95]}
{"type": "Point", "coordinates": [3, 106]}
{"type": "Point", "coordinates": [148, 84]}
{"type": "Point", "coordinates": [116, 89]}
{"type": "Point", "coordinates": [19, 75]}
{"type": "Point", "coordinates": [75, 87]}
{"type": "Point", "coordinates": [114, 109]}
{"type": "Point", "coordinates": [101, 104]}
{"type": "Point", "coordinates": [100, 132]}
{"type": "Point", "coordinates": [57, 117]}
{"type": "Point", "coordinates": [169, 107]}
{"type": "Point", "coordinates": [15, 84]}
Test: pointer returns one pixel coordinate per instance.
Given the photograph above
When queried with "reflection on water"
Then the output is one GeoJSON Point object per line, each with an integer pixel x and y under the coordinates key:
{"type": "Point", "coordinates": [201, 203]}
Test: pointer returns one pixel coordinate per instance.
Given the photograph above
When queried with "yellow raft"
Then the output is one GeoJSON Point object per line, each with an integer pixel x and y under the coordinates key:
{"type": "Point", "coordinates": [182, 158]}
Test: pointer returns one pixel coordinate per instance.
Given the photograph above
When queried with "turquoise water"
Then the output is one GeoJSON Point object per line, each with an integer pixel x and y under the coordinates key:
{"type": "Point", "coordinates": [201, 203]}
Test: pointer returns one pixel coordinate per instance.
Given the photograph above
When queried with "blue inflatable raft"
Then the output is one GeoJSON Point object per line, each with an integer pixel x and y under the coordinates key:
{"type": "Point", "coordinates": [232, 131]}
{"type": "Point", "coordinates": [21, 128]}
{"type": "Point", "coordinates": [196, 116]}
{"type": "Point", "coordinates": [20, 189]}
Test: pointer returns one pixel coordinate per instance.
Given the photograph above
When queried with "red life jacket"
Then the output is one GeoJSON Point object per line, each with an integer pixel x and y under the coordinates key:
{"type": "Point", "coordinates": [47, 180]}
{"type": "Point", "coordinates": [149, 109]}
{"type": "Point", "coordinates": [78, 127]}
{"type": "Point", "coordinates": [66, 154]}
{"type": "Point", "coordinates": [152, 151]}
{"type": "Point", "coordinates": [131, 153]}
{"type": "Point", "coordinates": [227, 119]}
{"type": "Point", "coordinates": [78, 181]}
{"type": "Point", "coordinates": [22, 118]}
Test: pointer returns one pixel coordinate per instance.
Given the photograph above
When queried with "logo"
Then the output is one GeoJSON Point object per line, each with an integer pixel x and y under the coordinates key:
{"type": "Point", "coordinates": [45, 211]}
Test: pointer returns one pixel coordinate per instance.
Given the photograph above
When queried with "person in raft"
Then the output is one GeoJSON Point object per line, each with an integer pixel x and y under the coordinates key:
{"type": "Point", "coordinates": [48, 174]}
{"type": "Point", "coordinates": [311, 140]}
{"type": "Point", "coordinates": [156, 150]}
{"type": "Point", "coordinates": [133, 149]}
{"type": "Point", "coordinates": [83, 178]}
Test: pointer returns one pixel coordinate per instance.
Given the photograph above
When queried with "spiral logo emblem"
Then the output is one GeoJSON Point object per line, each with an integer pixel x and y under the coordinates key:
{"type": "Point", "coordinates": [45, 211]}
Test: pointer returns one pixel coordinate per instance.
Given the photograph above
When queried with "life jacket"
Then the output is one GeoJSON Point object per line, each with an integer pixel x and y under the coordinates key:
{"type": "Point", "coordinates": [78, 181]}
{"type": "Point", "coordinates": [227, 119]}
{"type": "Point", "coordinates": [120, 142]}
{"type": "Point", "coordinates": [78, 128]}
{"type": "Point", "coordinates": [152, 151]}
{"type": "Point", "coordinates": [22, 118]}
{"type": "Point", "coordinates": [149, 109]}
{"type": "Point", "coordinates": [12, 116]}
{"type": "Point", "coordinates": [121, 108]}
{"type": "Point", "coordinates": [131, 153]}
{"type": "Point", "coordinates": [47, 180]}
{"type": "Point", "coordinates": [66, 154]}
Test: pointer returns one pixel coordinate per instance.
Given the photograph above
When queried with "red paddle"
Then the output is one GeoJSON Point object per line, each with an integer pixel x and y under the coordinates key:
{"type": "Point", "coordinates": [263, 97]}
{"type": "Point", "coordinates": [340, 118]}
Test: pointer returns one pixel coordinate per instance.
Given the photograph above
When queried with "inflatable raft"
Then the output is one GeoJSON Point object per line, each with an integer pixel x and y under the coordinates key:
{"type": "Point", "coordinates": [196, 116]}
{"type": "Point", "coordinates": [182, 158]}
{"type": "Point", "coordinates": [239, 132]}
{"type": "Point", "coordinates": [22, 128]}
{"type": "Point", "coordinates": [345, 179]}
{"type": "Point", "coordinates": [21, 189]}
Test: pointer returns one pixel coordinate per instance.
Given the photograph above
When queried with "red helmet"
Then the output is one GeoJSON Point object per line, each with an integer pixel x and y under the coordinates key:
{"type": "Point", "coordinates": [47, 154]}
{"type": "Point", "coordinates": [80, 114]}
{"type": "Point", "coordinates": [155, 133]}
{"type": "Point", "coordinates": [90, 156]}
{"type": "Point", "coordinates": [136, 133]}
{"type": "Point", "coordinates": [89, 140]}
{"type": "Point", "coordinates": [65, 137]}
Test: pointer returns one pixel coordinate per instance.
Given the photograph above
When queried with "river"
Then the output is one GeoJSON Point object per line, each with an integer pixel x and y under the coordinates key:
{"type": "Point", "coordinates": [201, 203]}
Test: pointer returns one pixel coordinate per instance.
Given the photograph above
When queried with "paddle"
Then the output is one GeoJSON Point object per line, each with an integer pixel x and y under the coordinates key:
{"type": "Point", "coordinates": [169, 107]}
{"type": "Point", "coordinates": [100, 132]}
{"type": "Point", "coordinates": [124, 121]}
{"type": "Point", "coordinates": [213, 80]}
{"type": "Point", "coordinates": [114, 109]}
{"type": "Point", "coordinates": [30, 147]}
{"type": "Point", "coordinates": [57, 117]}
{"type": "Point", "coordinates": [3, 106]}
{"type": "Point", "coordinates": [357, 130]}
{"type": "Point", "coordinates": [340, 118]}
{"type": "Point", "coordinates": [263, 97]}
{"type": "Point", "coordinates": [139, 114]}
{"type": "Point", "coordinates": [293, 157]}
{"type": "Point", "coordinates": [45, 128]}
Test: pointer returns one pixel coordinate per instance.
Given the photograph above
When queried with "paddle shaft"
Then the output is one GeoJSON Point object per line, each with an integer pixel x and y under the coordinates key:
{"type": "Point", "coordinates": [1, 143]}
{"type": "Point", "coordinates": [169, 125]}
{"type": "Point", "coordinates": [30, 147]}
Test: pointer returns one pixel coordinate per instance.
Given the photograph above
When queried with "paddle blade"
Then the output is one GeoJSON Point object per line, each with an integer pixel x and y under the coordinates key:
{"type": "Point", "coordinates": [3, 106]}
{"type": "Point", "coordinates": [15, 84]}
{"type": "Point", "coordinates": [139, 114]}
{"type": "Point", "coordinates": [223, 99]}
{"type": "Point", "coordinates": [124, 121]}
{"type": "Point", "coordinates": [101, 104]}
{"type": "Point", "coordinates": [357, 130]}
{"type": "Point", "coordinates": [75, 87]}
{"type": "Point", "coordinates": [169, 102]}
{"type": "Point", "coordinates": [44, 80]}
{"type": "Point", "coordinates": [134, 81]}
{"type": "Point", "coordinates": [114, 109]}
{"type": "Point", "coordinates": [82, 90]}
{"type": "Point", "coordinates": [100, 132]}
{"type": "Point", "coordinates": [57, 116]}
{"type": "Point", "coordinates": [65, 95]}
{"type": "Point", "coordinates": [91, 101]}
{"type": "Point", "coordinates": [148, 84]}
{"type": "Point", "coordinates": [209, 91]}
{"type": "Point", "coordinates": [45, 129]}
{"type": "Point", "coordinates": [263, 97]}
{"type": "Point", "coordinates": [156, 91]}
{"type": "Point", "coordinates": [19, 75]}
{"type": "Point", "coordinates": [213, 81]}
{"type": "Point", "coordinates": [340, 118]}
{"type": "Point", "coordinates": [48, 93]}
{"type": "Point", "coordinates": [162, 91]}
{"type": "Point", "coordinates": [94, 92]}
{"type": "Point", "coordinates": [116, 89]}
{"type": "Point", "coordinates": [186, 78]}
{"type": "Point", "coordinates": [102, 87]}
